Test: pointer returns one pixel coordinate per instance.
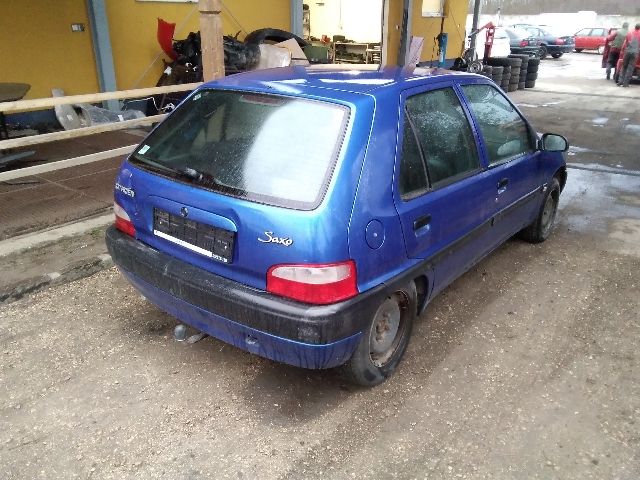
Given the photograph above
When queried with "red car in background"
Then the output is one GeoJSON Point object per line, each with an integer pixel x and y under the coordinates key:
{"type": "Point", "coordinates": [593, 38]}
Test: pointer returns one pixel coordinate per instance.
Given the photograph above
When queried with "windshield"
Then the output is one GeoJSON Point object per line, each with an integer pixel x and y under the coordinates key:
{"type": "Point", "coordinates": [267, 148]}
{"type": "Point", "coordinates": [517, 33]}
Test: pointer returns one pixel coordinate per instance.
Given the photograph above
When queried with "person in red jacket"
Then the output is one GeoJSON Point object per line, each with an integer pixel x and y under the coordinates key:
{"type": "Point", "coordinates": [614, 44]}
{"type": "Point", "coordinates": [630, 52]}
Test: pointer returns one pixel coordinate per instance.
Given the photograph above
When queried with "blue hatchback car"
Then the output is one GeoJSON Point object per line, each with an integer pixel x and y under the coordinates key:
{"type": "Point", "coordinates": [309, 215]}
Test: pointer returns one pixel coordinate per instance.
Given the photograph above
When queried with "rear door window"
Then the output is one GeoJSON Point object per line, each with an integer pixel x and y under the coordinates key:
{"type": "Point", "coordinates": [438, 141]}
{"type": "Point", "coordinates": [267, 148]}
{"type": "Point", "coordinates": [506, 134]}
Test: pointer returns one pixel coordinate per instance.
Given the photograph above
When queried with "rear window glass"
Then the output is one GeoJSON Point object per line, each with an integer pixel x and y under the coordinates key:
{"type": "Point", "coordinates": [266, 148]}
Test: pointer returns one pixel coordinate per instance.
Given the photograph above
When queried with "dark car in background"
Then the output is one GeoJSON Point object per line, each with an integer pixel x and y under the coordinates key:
{"type": "Point", "coordinates": [521, 41]}
{"type": "Point", "coordinates": [550, 42]}
{"type": "Point", "coordinates": [591, 39]}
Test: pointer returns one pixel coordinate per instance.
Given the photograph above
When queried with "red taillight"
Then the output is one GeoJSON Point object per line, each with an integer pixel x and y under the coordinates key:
{"type": "Point", "coordinates": [123, 222]}
{"type": "Point", "coordinates": [524, 43]}
{"type": "Point", "coordinates": [559, 41]}
{"type": "Point", "coordinates": [319, 284]}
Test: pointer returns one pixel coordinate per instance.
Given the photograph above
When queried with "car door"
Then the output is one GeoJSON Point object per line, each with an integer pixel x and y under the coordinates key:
{"type": "Point", "coordinates": [581, 38]}
{"type": "Point", "coordinates": [597, 38]}
{"type": "Point", "coordinates": [514, 167]}
{"type": "Point", "coordinates": [440, 193]}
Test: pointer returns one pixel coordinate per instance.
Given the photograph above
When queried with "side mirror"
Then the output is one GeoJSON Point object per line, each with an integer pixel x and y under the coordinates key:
{"type": "Point", "coordinates": [552, 142]}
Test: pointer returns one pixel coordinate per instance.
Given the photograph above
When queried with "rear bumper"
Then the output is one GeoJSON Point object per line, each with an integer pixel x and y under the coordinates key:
{"type": "Point", "coordinates": [560, 48]}
{"type": "Point", "coordinates": [251, 319]}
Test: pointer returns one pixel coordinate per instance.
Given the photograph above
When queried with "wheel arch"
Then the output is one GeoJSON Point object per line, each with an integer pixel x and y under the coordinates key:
{"type": "Point", "coordinates": [561, 175]}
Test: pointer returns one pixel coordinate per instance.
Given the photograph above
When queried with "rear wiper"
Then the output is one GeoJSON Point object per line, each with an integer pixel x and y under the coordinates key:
{"type": "Point", "coordinates": [202, 178]}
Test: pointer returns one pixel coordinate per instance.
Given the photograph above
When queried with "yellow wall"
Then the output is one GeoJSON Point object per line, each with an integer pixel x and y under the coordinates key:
{"type": "Point", "coordinates": [38, 47]}
{"type": "Point", "coordinates": [133, 25]}
{"type": "Point", "coordinates": [427, 27]}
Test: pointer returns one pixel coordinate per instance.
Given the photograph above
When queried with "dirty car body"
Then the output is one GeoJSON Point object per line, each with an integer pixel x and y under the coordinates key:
{"type": "Point", "coordinates": [309, 215]}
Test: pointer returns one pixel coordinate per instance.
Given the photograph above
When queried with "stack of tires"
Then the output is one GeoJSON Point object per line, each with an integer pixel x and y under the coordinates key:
{"type": "Point", "coordinates": [532, 73]}
{"type": "Point", "coordinates": [523, 69]}
{"type": "Point", "coordinates": [511, 80]}
{"type": "Point", "coordinates": [487, 71]}
{"type": "Point", "coordinates": [497, 74]}
{"type": "Point", "coordinates": [506, 75]}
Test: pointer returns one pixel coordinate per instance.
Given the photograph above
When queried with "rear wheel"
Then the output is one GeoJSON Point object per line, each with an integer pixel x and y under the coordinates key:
{"type": "Point", "coordinates": [384, 342]}
{"type": "Point", "coordinates": [556, 55]}
{"type": "Point", "coordinates": [578, 50]}
{"type": "Point", "coordinates": [540, 228]}
{"type": "Point", "coordinates": [543, 52]}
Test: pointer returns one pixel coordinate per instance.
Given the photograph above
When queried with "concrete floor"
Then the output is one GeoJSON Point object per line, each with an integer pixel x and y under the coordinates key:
{"type": "Point", "coordinates": [527, 367]}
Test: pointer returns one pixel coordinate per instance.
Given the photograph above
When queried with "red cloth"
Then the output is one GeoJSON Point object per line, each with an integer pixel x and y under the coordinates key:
{"type": "Point", "coordinates": [165, 37]}
{"type": "Point", "coordinates": [630, 36]}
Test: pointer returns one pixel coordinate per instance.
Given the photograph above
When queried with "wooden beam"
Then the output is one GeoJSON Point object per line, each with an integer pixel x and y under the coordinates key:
{"type": "Point", "coordinates": [41, 103]}
{"type": "Point", "coordinates": [78, 132]}
{"type": "Point", "coordinates": [211, 39]}
{"type": "Point", "coordinates": [70, 162]}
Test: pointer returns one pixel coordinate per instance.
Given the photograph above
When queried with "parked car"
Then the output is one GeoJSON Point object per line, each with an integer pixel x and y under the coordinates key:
{"type": "Point", "coordinates": [501, 44]}
{"type": "Point", "coordinates": [590, 39]}
{"type": "Point", "coordinates": [550, 43]}
{"type": "Point", "coordinates": [521, 41]}
{"type": "Point", "coordinates": [308, 216]}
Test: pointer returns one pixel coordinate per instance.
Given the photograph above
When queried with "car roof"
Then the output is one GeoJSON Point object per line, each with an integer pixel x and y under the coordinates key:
{"type": "Point", "coordinates": [314, 79]}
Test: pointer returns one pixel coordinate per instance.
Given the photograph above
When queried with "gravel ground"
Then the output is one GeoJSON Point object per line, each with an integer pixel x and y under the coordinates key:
{"type": "Point", "coordinates": [526, 367]}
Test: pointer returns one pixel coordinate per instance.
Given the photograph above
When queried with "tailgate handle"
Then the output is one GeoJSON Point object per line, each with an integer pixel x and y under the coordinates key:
{"type": "Point", "coordinates": [503, 183]}
{"type": "Point", "coordinates": [421, 222]}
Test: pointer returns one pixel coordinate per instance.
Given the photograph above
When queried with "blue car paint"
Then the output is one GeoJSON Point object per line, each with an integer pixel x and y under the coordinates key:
{"type": "Point", "coordinates": [280, 349]}
{"type": "Point", "coordinates": [361, 200]}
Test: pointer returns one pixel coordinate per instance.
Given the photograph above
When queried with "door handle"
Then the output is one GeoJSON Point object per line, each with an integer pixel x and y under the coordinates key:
{"type": "Point", "coordinates": [502, 185]}
{"type": "Point", "coordinates": [421, 222]}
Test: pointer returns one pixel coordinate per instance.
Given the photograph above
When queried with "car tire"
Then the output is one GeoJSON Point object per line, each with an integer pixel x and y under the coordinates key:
{"type": "Point", "coordinates": [532, 69]}
{"type": "Point", "coordinates": [531, 76]}
{"type": "Point", "coordinates": [556, 55]}
{"type": "Point", "coordinates": [539, 230]}
{"type": "Point", "coordinates": [543, 52]}
{"type": "Point", "coordinates": [578, 50]}
{"type": "Point", "coordinates": [534, 62]}
{"type": "Point", "coordinates": [512, 87]}
{"type": "Point", "coordinates": [530, 84]}
{"type": "Point", "coordinates": [377, 355]}
{"type": "Point", "coordinates": [521, 85]}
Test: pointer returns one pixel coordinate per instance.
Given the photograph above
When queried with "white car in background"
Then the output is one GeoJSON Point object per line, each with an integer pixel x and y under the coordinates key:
{"type": "Point", "coordinates": [501, 46]}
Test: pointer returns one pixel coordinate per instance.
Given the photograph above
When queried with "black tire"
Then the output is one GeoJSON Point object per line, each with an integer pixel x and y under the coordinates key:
{"type": "Point", "coordinates": [530, 84]}
{"type": "Point", "coordinates": [532, 69]}
{"type": "Point", "coordinates": [540, 228]}
{"type": "Point", "coordinates": [543, 52]}
{"type": "Point", "coordinates": [273, 35]}
{"type": "Point", "coordinates": [534, 62]}
{"type": "Point", "coordinates": [521, 85]}
{"type": "Point", "coordinates": [512, 87]}
{"type": "Point", "coordinates": [556, 55]}
{"type": "Point", "coordinates": [515, 77]}
{"type": "Point", "coordinates": [531, 77]}
{"type": "Point", "coordinates": [578, 50]}
{"type": "Point", "coordinates": [515, 62]}
{"type": "Point", "coordinates": [368, 367]}
{"type": "Point", "coordinates": [497, 70]}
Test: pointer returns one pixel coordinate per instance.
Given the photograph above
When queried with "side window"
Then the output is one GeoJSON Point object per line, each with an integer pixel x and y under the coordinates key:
{"type": "Point", "coordinates": [583, 33]}
{"type": "Point", "coordinates": [413, 175]}
{"type": "Point", "coordinates": [444, 136]}
{"type": "Point", "coordinates": [505, 133]}
{"type": "Point", "coordinates": [598, 32]}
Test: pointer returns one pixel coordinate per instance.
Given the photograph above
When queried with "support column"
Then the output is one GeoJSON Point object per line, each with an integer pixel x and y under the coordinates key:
{"type": "Point", "coordinates": [474, 24]}
{"type": "Point", "coordinates": [211, 39]}
{"type": "Point", "coordinates": [296, 17]}
{"type": "Point", "coordinates": [102, 49]}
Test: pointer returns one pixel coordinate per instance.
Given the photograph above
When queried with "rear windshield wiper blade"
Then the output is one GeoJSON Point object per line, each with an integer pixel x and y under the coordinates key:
{"type": "Point", "coordinates": [202, 178]}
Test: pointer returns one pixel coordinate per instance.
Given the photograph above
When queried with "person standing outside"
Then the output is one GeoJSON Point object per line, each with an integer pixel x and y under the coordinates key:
{"type": "Point", "coordinates": [615, 41]}
{"type": "Point", "coordinates": [631, 51]}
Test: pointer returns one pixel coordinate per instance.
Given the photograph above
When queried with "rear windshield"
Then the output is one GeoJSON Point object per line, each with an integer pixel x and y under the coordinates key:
{"type": "Point", "coordinates": [267, 148]}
